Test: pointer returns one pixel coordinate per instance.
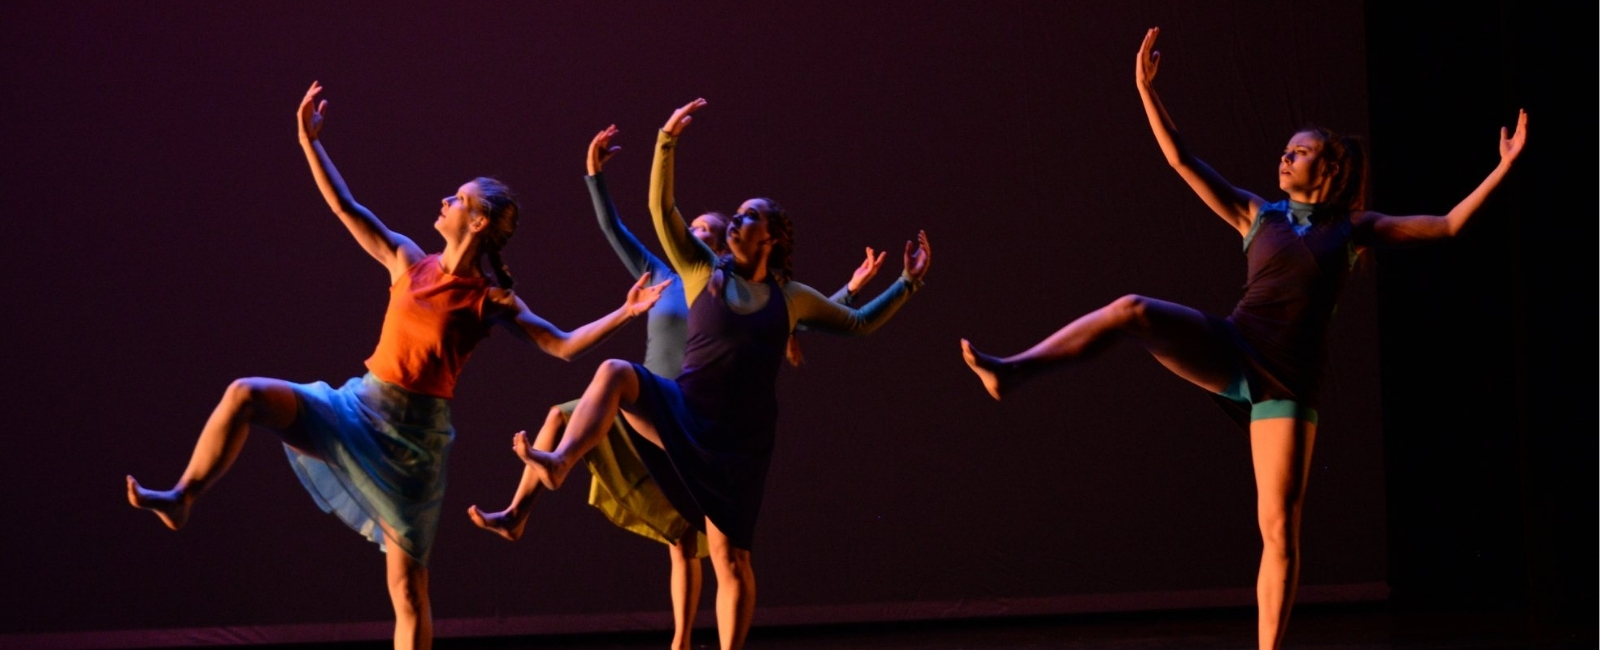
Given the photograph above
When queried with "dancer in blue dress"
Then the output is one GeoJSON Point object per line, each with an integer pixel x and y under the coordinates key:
{"type": "Point", "coordinates": [716, 422]}
{"type": "Point", "coordinates": [1265, 360]}
{"type": "Point", "coordinates": [620, 486]}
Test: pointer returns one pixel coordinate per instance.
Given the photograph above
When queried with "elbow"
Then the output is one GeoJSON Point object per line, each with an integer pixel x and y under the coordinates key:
{"type": "Point", "coordinates": [863, 328]}
{"type": "Point", "coordinates": [560, 348]}
{"type": "Point", "coordinates": [1178, 157]}
{"type": "Point", "coordinates": [1450, 226]}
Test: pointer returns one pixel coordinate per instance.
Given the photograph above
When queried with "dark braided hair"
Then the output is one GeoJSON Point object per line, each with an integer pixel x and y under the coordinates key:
{"type": "Point", "coordinates": [499, 206]}
{"type": "Point", "coordinates": [781, 229]}
{"type": "Point", "coordinates": [780, 264]}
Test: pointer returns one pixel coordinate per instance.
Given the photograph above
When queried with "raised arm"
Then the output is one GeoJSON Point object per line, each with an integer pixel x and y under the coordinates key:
{"type": "Point", "coordinates": [634, 255]}
{"type": "Point", "coordinates": [514, 315]}
{"type": "Point", "coordinates": [1237, 207]}
{"type": "Point", "coordinates": [690, 257]}
{"type": "Point", "coordinates": [810, 309]}
{"type": "Point", "coordinates": [393, 250]}
{"type": "Point", "coordinates": [1393, 231]}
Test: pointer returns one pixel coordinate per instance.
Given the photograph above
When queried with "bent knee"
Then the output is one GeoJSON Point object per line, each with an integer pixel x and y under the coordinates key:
{"type": "Point", "coordinates": [267, 402]}
{"type": "Point", "coordinates": [1131, 308]}
{"type": "Point", "coordinates": [615, 368]}
{"type": "Point", "coordinates": [248, 389]}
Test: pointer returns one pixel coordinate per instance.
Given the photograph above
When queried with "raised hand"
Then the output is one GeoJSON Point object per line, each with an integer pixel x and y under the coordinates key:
{"type": "Point", "coordinates": [600, 149]}
{"type": "Point", "coordinates": [681, 118]}
{"type": "Point", "coordinates": [864, 273]}
{"type": "Point", "coordinates": [1149, 59]}
{"type": "Point", "coordinates": [1512, 146]}
{"type": "Point", "coordinates": [311, 113]}
{"type": "Point", "coordinates": [641, 298]}
{"type": "Point", "coordinates": [918, 256]}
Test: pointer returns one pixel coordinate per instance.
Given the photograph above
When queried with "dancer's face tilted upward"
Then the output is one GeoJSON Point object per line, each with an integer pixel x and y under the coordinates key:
{"type": "Point", "coordinates": [460, 215]}
{"type": "Point", "coordinates": [1302, 171]}
{"type": "Point", "coordinates": [748, 238]}
{"type": "Point", "coordinates": [711, 229]}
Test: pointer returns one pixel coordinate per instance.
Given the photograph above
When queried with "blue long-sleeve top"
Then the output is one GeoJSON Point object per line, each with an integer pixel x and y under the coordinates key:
{"type": "Point", "coordinates": [667, 323]}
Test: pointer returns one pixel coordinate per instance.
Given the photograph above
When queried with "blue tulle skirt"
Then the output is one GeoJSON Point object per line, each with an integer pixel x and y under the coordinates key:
{"type": "Point", "coordinates": [378, 458]}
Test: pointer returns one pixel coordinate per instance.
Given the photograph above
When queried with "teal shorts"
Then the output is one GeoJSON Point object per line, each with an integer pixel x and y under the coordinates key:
{"type": "Point", "coordinates": [1238, 392]}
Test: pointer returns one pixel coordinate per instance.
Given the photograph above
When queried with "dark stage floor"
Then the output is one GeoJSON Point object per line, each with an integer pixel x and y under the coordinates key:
{"type": "Point", "coordinates": [1325, 627]}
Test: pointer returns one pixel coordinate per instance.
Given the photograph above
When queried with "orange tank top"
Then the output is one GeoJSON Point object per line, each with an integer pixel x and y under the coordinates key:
{"type": "Point", "coordinates": [433, 322]}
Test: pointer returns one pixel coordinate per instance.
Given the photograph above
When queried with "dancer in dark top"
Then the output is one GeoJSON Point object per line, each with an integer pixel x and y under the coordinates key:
{"type": "Point", "coordinates": [715, 423]}
{"type": "Point", "coordinates": [374, 451]}
{"type": "Point", "coordinates": [1265, 361]}
{"type": "Point", "coordinates": [621, 487]}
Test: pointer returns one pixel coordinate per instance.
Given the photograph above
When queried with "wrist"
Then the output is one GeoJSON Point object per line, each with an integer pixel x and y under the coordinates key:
{"type": "Point", "coordinates": [912, 282]}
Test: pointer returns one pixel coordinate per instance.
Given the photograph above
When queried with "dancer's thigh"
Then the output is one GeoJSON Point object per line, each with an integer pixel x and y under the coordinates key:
{"type": "Point", "coordinates": [641, 422]}
{"type": "Point", "coordinates": [274, 406]}
{"type": "Point", "coordinates": [1184, 340]}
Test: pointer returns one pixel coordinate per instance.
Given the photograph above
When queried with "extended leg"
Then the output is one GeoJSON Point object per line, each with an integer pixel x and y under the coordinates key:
{"type": "Point", "coordinates": [615, 384]}
{"type": "Point", "coordinates": [1177, 336]}
{"type": "Point", "coordinates": [736, 588]}
{"type": "Point", "coordinates": [509, 523]}
{"type": "Point", "coordinates": [685, 589]}
{"type": "Point", "coordinates": [259, 401]}
{"type": "Point", "coordinates": [1280, 449]}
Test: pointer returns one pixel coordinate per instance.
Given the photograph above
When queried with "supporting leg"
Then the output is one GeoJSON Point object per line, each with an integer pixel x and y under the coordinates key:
{"type": "Point", "coordinates": [408, 592]}
{"type": "Point", "coordinates": [1280, 449]}
{"type": "Point", "coordinates": [686, 582]}
{"type": "Point", "coordinates": [736, 588]}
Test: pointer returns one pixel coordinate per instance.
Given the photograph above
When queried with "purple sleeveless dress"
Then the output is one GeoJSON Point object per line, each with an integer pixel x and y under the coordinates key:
{"type": "Point", "coordinates": [718, 419]}
{"type": "Point", "coordinates": [1279, 329]}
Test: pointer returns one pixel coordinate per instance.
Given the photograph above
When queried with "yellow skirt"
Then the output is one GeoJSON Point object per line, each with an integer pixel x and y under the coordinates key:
{"type": "Point", "coordinates": [622, 490]}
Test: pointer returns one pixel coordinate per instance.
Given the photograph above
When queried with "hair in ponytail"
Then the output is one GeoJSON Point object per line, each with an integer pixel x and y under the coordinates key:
{"type": "Point", "coordinates": [1347, 189]}
{"type": "Point", "coordinates": [499, 206]}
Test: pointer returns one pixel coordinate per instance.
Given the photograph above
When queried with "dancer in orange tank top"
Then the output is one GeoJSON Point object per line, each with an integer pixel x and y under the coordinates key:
{"type": "Point", "coordinates": [374, 451]}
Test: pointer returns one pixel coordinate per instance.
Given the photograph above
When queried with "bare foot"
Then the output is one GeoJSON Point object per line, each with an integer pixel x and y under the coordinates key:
{"type": "Point", "coordinates": [988, 369]}
{"type": "Point", "coordinates": [172, 506]}
{"type": "Point", "coordinates": [546, 467]}
{"type": "Point", "coordinates": [504, 523]}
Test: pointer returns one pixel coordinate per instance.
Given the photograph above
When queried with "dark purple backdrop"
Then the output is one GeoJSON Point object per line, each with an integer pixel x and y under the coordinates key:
{"type": "Point", "coordinates": [165, 238]}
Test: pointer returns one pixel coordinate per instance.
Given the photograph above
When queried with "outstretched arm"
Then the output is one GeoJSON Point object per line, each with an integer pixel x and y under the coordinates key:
{"type": "Point", "coordinates": [810, 309]}
{"type": "Point", "coordinates": [860, 277]}
{"type": "Point", "coordinates": [846, 296]}
{"type": "Point", "coordinates": [1392, 231]}
{"type": "Point", "coordinates": [1235, 206]}
{"type": "Point", "coordinates": [514, 314]}
{"type": "Point", "coordinates": [393, 250]}
{"type": "Point", "coordinates": [634, 255]}
{"type": "Point", "coordinates": [690, 257]}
